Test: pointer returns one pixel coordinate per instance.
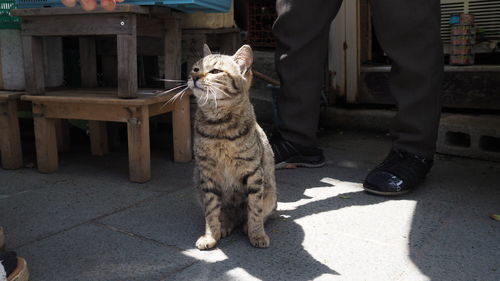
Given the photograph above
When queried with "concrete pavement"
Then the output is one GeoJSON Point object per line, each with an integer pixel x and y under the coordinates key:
{"type": "Point", "coordinates": [87, 222]}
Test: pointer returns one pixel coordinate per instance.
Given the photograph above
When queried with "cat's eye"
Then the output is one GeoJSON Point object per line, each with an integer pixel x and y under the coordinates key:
{"type": "Point", "coordinates": [215, 71]}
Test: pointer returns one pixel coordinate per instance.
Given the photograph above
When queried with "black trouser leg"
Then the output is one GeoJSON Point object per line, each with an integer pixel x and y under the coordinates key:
{"type": "Point", "coordinates": [302, 30]}
{"type": "Point", "coordinates": [409, 32]}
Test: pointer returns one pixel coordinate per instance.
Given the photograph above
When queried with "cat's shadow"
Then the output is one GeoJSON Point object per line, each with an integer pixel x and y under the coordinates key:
{"type": "Point", "coordinates": [287, 258]}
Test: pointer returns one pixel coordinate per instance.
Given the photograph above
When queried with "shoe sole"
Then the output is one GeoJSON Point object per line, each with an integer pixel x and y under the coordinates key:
{"type": "Point", "coordinates": [385, 193]}
{"type": "Point", "coordinates": [287, 165]}
{"type": "Point", "coordinates": [21, 272]}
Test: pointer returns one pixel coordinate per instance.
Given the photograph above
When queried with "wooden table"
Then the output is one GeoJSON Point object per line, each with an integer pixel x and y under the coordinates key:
{"type": "Point", "coordinates": [101, 105]}
{"type": "Point", "coordinates": [10, 138]}
{"type": "Point", "coordinates": [126, 22]}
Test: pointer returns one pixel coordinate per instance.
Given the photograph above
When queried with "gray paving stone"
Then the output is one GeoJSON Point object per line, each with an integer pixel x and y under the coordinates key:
{"type": "Point", "coordinates": [174, 219]}
{"type": "Point", "coordinates": [91, 252]}
{"type": "Point", "coordinates": [55, 204]}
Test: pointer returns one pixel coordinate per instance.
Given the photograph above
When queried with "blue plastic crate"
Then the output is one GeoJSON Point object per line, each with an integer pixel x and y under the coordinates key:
{"type": "Point", "coordinates": [188, 6]}
{"type": "Point", "coordinates": [6, 20]}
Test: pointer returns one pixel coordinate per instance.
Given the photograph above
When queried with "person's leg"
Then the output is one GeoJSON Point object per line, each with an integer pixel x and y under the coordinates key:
{"type": "Point", "coordinates": [301, 31]}
{"type": "Point", "coordinates": [409, 32]}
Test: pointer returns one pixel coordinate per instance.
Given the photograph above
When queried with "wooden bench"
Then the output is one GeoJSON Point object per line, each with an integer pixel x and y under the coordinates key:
{"type": "Point", "coordinates": [126, 22]}
{"type": "Point", "coordinates": [10, 138]}
{"type": "Point", "coordinates": [101, 105]}
{"type": "Point", "coordinates": [126, 104]}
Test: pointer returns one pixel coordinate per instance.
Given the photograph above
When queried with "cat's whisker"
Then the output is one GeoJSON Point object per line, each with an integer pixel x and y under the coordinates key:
{"type": "Point", "coordinates": [170, 80]}
{"type": "Point", "coordinates": [173, 89]}
{"type": "Point", "coordinates": [175, 97]}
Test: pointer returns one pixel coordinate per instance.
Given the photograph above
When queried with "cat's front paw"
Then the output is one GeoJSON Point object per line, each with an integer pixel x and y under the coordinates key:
{"type": "Point", "coordinates": [206, 242]}
{"type": "Point", "coordinates": [260, 241]}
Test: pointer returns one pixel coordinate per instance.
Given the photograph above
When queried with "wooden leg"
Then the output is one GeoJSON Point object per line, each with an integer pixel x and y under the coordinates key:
{"type": "Point", "coordinates": [138, 145]}
{"type": "Point", "coordinates": [127, 65]}
{"type": "Point", "coordinates": [98, 138]}
{"type": "Point", "coordinates": [88, 62]}
{"type": "Point", "coordinates": [10, 138]}
{"type": "Point", "coordinates": [172, 52]}
{"type": "Point", "coordinates": [62, 134]}
{"type": "Point", "coordinates": [46, 141]}
{"type": "Point", "coordinates": [181, 124]}
{"type": "Point", "coordinates": [33, 64]}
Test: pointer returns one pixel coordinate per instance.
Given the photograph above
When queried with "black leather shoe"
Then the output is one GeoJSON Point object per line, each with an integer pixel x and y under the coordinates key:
{"type": "Point", "coordinates": [400, 173]}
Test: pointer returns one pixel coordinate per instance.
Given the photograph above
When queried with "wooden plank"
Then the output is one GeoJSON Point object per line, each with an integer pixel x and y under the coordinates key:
{"type": "Point", "coordinates": [365, 31]}
{"type": "Point", "coordinates": [79, 11]}
{"type": "Point", "coordinates": [88, 62]}
{"type": "Point", "coordinates": [88, 24]}
{"type": "Point", "coordinates": [138, 145]}
{"type": "Point", "coordinates": [160, 108]}
{"type": "Point", "coordinates": [33, 64]}
{"type": "Point", "coordinates": [97, 112]}
{"type": "Point", "coordinates": [172, 53]}
{"type": "Point", "coordinates": [209, 31]}
{"type": "Point", "coordinates": [352, 50]}
{"type": "Point", "coordinates": [9, 95]}
{"type": "Point", "coordinates": [46, 141]}
{"type": "Point", "coordinates": [10, 137]}
{"type": "Point", "coordinates": [127, 66]}
{"type": "Point", "coordinates": [181, 123]}
{"type": "Point", "coordinates": [99, 97]}
{"type": "Point", "coordinates": [98, 138]}
{"type": "Point", "coordinates": [62, 134]}
{"type": "Point", "coordinates": [149, 26]}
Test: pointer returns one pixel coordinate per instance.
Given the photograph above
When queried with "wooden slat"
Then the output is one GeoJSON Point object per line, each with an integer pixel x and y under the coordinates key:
{"type": "Point", "coordinates": [139, 146]}
{"type": "Point", "coordinates": [46, 142]}
{"type": "Point", "coordinates": [33, 64]}
{"type": "Point", "coordinates": [78, 11]}
{"type": "Point", "coordinates": [181, 123]}
{"type": "Point", "coordinates": [173, 45]}
{"type": "Point", "coordinates": [8, 95]}
{"type": "Point", "coordinates": [88, 62]}
{"type": "Point", "coordinates": [98, 24]}
{"type": "Point", "coordinates": [209, 31]}
{"type": "Point", "coordinates": [97, 97]}
{"type": "Point", "coordinates": [98, 138]}
{"type": "Point", "coordinates": [97, 112]}
{"type": "Point", "coordinates": [62, 135]}
{"type": "Point", "coordinates": [10, 138]}
{"type": "Point", "coordinates": [127, 65]}
{"type": "Point", "coordinates": [149, 26]}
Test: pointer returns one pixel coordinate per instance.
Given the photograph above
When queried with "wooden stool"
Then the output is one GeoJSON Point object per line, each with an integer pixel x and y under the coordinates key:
{"type": "Point", "coordinates": [100, 105]}
{"type": "Point", "coordinates": [126, 22]}
{"type": "Point", "coordinates": [10, 138]}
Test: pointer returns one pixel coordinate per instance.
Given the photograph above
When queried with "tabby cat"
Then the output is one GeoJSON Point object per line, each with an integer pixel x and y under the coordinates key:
{"type": "Point", "coordinates": [234, 161]}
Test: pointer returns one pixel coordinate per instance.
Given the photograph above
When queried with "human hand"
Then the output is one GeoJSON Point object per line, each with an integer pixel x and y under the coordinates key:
{"type": "Point", "coordinates": [89, 5]}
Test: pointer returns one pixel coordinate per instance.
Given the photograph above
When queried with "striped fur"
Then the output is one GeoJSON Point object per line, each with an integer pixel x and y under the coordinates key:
{"type": "Point", "coordinates": [234, 161]}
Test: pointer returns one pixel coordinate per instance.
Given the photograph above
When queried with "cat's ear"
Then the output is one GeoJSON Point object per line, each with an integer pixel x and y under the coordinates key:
{"type": "Point", "coordinates": [244, 58]}
{"type": "Point", "coordinates": [206, 50]}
